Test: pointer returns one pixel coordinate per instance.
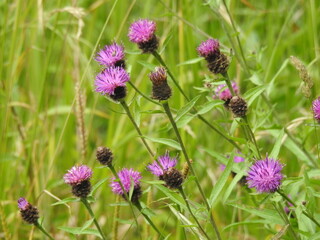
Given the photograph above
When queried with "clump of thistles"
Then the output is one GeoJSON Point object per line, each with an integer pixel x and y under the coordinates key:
{"type": "Point", "coordinates": [104, 155]}
{"type": "Point", "coordinates": [316, 109]}
{"type": "Point", "coordinates": [111, 56]}
{"type": "Point", "coordinates": [160, 88]}
{"type": "Point", "coordinates": [127, 178]}
{"type": "Point", "coordinates": [142, 32]}
{"type": "Point", "coordinates": [164, 168]}
{"type": "Point", "coordinates": [29, 213]}
{"type": "Point", "coordinates": [217, 61]}
{"type": "Point", "coordinates": [265, 175]}
{"type": "Point", "coordinates": [112, 82]}
{"type": "Point", "coordinates": [78, 177]}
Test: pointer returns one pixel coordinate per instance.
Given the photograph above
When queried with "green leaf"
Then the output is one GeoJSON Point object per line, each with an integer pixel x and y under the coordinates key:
{"type": "Point", "coordinates": [221, 181]}
{"type": "Point", "coordinates": [271, 216]}
{"type": "Point", "coordinates": [191, 61]}
{"type": "Point", "coordinates": [87, 224]}
{"type": "Point", "coordinates": [235, 180]}
{"type": "Point", "coordinates": [168, 142]}
{"type": "Point", "coordinates": [98, 184]}
{"type": "Point", "coordinates": [208, 106]}
{"type": "Point", "coordinates": [245, 223]}
{"type": "Point", "coordinates": [176, 198]}
{"type": "Point", "coordinates": [253, 93]}
{"type": "Point", "coordinates": [186, 108]}
{"type": "Point", "coordinates": [147, 65]}
{"type": "Point", "coordinates": [276, 148]}
{"type": "Point", "coordinates": [136, 111]}
{"type": "Point", "coordinates": [185, 221]}
{"type": "Point", "coordinates": [79, 231]}
{"type": "Point", "coordinates": [184, 120]}
{"type": "Point", "coordinates": [66, 200]}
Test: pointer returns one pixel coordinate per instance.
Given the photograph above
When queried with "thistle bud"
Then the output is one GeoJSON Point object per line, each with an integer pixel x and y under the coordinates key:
{"type": "Point", "coordinates": [238, 106]}
{"type": "Point", "coordinates": [104, 156]}
{"type": "Point", "coordinates": [160, 87]}
{"type": "Point", "coordinates": [29, 213]}
{"type": "Point", "coordinates": [173, 178]}
{"type": "Point", "coordinates": [186, 169]}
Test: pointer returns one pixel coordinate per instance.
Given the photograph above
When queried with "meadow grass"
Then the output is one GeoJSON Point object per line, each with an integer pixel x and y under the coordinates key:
{"type": "Point", "coordinates": [51, 118]}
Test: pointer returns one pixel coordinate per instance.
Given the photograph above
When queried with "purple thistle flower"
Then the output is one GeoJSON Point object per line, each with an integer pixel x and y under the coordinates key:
{"type": "Point", "coordinates": [126, 176]}
{"type": "Point", "coordinates": [111, 55]}
{"type": "Point", "coordinates": [236, 159]}
{"type": "Point", "coordinates": [208, 48]}
{"type": "Point", "coordinates": [77, 175]}
{"type": "Point", "coordinates": [23, 204]}
{"type": "Point", "coordinates": [223, 92]}
{"type": "Point", "coordinates": [265, 175]}
{"type": "Point", "coordinates": [166, 163]}
{"type": "Point", "coordinates": [109, 79]}
{"type": "Point", "coordinates": [142, 31]}
{"type": "Point", "coordinates": [316, 109]}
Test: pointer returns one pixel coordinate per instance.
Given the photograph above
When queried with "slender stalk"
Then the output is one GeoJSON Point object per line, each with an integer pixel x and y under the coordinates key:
{"type": "Point", "coordinates": [138, 205]}
{"type": "Point", "coordinates": [253, 138]}
{"type": "Point", "coordinates": [142, 94]}
{"type": "Point", "coordinates": [160, 60]}
{"type": "Point", "coordinates": [43, 230]}
{"type": "Point", "coordinates": [304, 212]}
{"type": "Point", "coordinates": [115, 223]}
{"type": "Point", "coordinates": [87, 205]}
{"type": "Point", "coordinates": [126, 108]}
{"type": "Point", "coordinates": [174, 126]}
{"type": "Point", "coordinates": [115, 174]}
{"type": "Point", "coordinates": [189, 208]}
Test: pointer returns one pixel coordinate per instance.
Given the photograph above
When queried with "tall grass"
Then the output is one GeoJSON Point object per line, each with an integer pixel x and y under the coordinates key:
{"type": "Point", "coordinates": [51, 119]}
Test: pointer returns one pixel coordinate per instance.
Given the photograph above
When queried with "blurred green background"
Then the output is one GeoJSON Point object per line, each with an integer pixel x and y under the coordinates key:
{"type": "Point", "coordinates": [51, 119]}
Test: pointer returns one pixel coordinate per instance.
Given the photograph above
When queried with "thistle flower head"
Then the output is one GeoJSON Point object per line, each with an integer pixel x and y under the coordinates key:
{"type": "Point", "coordinates": [208, 47]}
{"type": "Point", "coordinates": [165, 161]}
{"type": "Point", "coordinates": [77, 175]}
{"type": "Point", "coordinates": [111, 55]}
{"type": "Point", "coordinates": [142, 31]}
{"type": "Point", "coordinates": [127, 178]}
{"type": "Point", "coordinates": [158, 76]}
{"type": "Point", "coordinates": [316, 109]}
{"type": "Point", "coordinates": [223, 92]}
{"type": "Point", "coordinates": [160, 88]}
{"type": "Point", "coordinates": [236, 159]}
{"type": "Point", "coordinates": [23, 203]}
{"type": "Point", "coordinates": [111, 79]}
{"type": "Point", "coordinates": [265, 175]}
{"type": "Point", "coordinates": [104, 156]}
{"type": "Point", "coordinates": [29, 213]}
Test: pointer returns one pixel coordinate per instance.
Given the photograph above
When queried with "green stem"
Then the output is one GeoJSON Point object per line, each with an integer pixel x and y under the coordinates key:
{"type": "Point", "coordinates": [115, 174]}
{"type": "Point", "coordinates": [304, 212]}
{"type": "Point", "coordinates": [253, 138]}
{"type": "Point", "coordinates": [142, 94]}
{"type": "Point", "coordinates": [175, 128]}
{"type": "Point", "coordinates": [87, 205]}
{"type": "Point", "coordinates": [189, 208]}
{"type": "Point", "coordinates": [160, 60]}
{"type": "Point", "coordinates": [138, 205]}
{"type": "Point", "coordinates": [126, 108]}
{"type": "Point", "coordinates": [43, 230]}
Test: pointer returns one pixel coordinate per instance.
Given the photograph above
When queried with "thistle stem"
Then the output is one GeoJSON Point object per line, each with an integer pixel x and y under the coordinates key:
{"type": "Point", "coordinates": [87, 205]}
{"type": "Point", "coordinates": [43, 230]}
{"type": "Point", "coordinates": [115, 174]}
{"type": "Point", "coordinates": [175, 128]}
{"type": "Point", "coordinates": [295, 205]}
{"type": "Point", "coordinates": [189, 208]}
{"type": "Point", "coordinates": [126, 108]}
{"type": "Point", "coordinates": [142, 94]}
{"type": "Point", "coordinates": [138, 205]}
{"type": "Point", "coordinates": [160, 60]}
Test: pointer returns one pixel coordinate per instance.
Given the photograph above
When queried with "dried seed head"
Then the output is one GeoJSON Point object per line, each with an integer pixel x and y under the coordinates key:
{"type": "Point", "coordinates": [185, 169]}
{"type": "Point", "coordinates": [104, 156]}
{"type": "Point", "coordinates": [173, 178]}
{"type": "Point", "coordinates": [160, 88]}
{"type": "Point", "coordinates": [304, 75]}
{"type": "Point", "coordinates": [29, 213]}
{"type": "Point", "coordinates": [238, 106]}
